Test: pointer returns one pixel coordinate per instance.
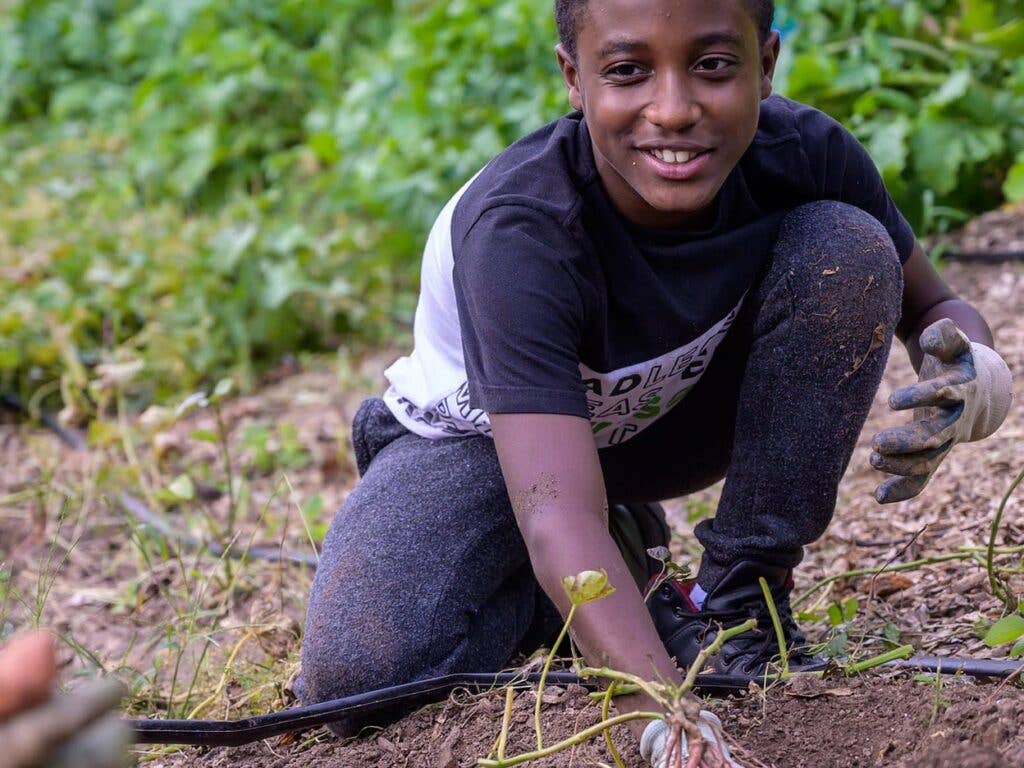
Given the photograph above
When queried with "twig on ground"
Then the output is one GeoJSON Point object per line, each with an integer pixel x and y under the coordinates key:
{"type": "Point", "coordinates": [893, 559]}
{"type": "Point", "coordinates": [1005, 681]}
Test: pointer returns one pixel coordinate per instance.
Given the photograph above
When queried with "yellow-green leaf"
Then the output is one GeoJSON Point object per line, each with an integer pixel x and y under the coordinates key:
{"type": "Point", "coordinates": [587, 586]}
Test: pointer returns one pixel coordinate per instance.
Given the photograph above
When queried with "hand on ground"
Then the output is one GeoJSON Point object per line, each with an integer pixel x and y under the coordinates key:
{"type": "Point", "coordinates": [38, 728]}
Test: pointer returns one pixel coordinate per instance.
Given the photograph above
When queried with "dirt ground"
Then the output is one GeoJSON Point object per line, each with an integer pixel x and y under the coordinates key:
{"type": "Point", "coordinates": [82, 566]}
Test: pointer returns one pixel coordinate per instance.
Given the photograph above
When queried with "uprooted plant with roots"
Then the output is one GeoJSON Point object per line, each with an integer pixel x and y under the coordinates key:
{"type": "Point", "coordinates": [686, 746]}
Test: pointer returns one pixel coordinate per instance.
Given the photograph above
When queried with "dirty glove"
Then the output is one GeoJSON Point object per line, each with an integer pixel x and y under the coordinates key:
{"type": "Point", "coordinates": [963, 394]}
{"type": "Point", "coordinates": [73, 731]}
{"type": "Point", "coordinates": [654, 745]}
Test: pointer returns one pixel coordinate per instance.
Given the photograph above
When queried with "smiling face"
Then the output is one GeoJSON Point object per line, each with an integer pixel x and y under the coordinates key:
{"type": "Point", "coordinates": [671, 91]}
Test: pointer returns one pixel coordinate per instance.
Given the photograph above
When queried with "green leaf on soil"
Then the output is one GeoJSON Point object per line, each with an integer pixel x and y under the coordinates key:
{"type": "Point", "coordinates": [182, 487]}
{"type": "Point", "coordinates": [1006, 630]}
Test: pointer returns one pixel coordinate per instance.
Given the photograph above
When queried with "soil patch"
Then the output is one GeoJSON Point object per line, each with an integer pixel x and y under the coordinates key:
{"type": "Point", "coordinates": [840, 723]}
{"type": "Point", "coordinates": [869, 722]}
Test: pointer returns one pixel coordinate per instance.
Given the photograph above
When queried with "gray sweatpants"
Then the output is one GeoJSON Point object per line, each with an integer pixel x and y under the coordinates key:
{"type": "Point", "coordinates": [424, 572]}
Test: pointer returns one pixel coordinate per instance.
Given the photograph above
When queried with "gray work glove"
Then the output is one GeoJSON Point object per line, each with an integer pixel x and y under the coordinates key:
{"type": "Point", "coordinates": [963, 394]}
{"type": "Point", "coordinates": [77, 730]}
{"type": "Point", "coordinates": [654, 743]}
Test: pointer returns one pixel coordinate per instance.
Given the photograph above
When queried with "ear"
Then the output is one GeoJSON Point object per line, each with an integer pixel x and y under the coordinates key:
{"type": "Point", "coordinates": [769, 58]}
{"type": "Point", "coordinates": [571, 76]}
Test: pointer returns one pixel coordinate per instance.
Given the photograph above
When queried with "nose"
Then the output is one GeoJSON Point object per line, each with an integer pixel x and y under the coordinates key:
{"type": "Point", "coordinates": [674, 106]}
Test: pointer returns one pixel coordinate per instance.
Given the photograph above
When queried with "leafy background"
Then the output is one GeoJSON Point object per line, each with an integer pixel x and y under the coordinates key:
{"type": "Point", "coordinates": [198, 188]}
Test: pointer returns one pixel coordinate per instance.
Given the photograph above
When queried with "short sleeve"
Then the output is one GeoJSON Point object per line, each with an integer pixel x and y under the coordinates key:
{"type": "Point", "coordinates": [844, 171]}
{"type": "Point", "coordinates": [521, 313]}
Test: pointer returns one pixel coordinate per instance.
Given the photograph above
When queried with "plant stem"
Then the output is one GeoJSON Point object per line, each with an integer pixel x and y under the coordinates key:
{"type": "Point", "coordinates": [780, 637]}
{"type": "Point", "coordinates": [572, 741]}
{"type": "Point", "coordinates": [605, 710]}
{"type": "Point", "coordinates": [711, 650]}
{"type": "Point", "coordinates": [222, 431]}
{"type": "Point", "coordinates": [913, 565]}
{"type": "Point", "coordinates": [201, 706]}
{"type": "Point", "coordinates": [625, 679]}
{"type": "Point", "coordinates": [544, 674]}
{"type": "Point", "coordinates": [506, 722]}
{"type": "Point", "coordinates": [999, 588]}
{"type": "Point", "coordinates": [876, 661]}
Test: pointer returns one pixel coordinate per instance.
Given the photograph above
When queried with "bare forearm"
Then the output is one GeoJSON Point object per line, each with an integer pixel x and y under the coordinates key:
{"type": "Point", "coordinates": [967, 318]}
{"type": "Point", "coordinates": [616, 631]}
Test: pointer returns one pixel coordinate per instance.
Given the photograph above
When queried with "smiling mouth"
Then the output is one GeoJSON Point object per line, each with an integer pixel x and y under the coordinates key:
{"type": "Point", "coordinates": [675, 158]}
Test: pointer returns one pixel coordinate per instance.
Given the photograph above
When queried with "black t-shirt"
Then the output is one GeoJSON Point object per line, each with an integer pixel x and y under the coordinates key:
{"type": "Point", "coordinates": [565, 307]}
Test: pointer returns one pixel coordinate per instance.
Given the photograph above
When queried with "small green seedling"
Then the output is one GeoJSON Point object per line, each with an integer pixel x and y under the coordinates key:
{"type": "Point", "coordinates": [670, 571]}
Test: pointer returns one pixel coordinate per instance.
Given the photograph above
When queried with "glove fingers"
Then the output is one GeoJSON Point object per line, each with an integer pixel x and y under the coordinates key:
{"type": "Point", "coordinates": [944, 340]}
{"type": "Point", "coordinates": [38, 731]}
{"type": "Point", "coordinates": [910, 464]}
{"type": "Point", "coordinates": [920, 435]}
{"type": "Point", "coordinates": [104, 745]}
{"type": "Point", "coordinates": [900, 489]}
{"type": "Point", "coordinates": [941, 391]}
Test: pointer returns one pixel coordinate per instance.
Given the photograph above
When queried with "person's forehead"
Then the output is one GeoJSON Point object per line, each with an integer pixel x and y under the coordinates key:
{"type": "Point", "coordinates": [613, 22]}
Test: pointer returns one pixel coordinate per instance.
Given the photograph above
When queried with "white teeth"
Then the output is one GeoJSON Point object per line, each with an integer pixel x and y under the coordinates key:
{"type": "Point", "coordinates": [674, 158]}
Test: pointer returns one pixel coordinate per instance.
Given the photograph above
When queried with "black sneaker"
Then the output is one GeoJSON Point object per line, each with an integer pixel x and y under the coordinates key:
{"type": "Point", "coordinates": [685, 630]}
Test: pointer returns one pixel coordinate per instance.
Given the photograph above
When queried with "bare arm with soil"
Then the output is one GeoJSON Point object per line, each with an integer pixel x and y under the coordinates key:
{"type": "Point", "coordinates": [557, 490]}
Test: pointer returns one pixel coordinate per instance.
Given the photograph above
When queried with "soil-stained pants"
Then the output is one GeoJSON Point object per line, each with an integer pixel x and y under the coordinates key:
{"type": "Point", "coordinates": [423, 571]}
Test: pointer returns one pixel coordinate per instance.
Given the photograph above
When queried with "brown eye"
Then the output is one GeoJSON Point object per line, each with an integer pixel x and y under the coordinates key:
{"type": "Point", "coordinates": [714, 64]}
{"type": "Point", "coordinates": [623, 71]}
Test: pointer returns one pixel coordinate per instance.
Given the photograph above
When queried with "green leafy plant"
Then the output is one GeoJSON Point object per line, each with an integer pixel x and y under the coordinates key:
{"type": "Point", "coordinates": [205, 186]}
{"type": "Point", "coordinates": [933, 88]}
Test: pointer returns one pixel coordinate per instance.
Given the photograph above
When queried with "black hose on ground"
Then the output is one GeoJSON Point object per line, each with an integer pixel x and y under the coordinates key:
{"type": "Point", "coordinates": [402, 698]}
{"type": "Point", "coordinates": [984, 257]}
{"type": "Point", "coordinates": [145, 515]}
{"type": "Point", "coordinates": [14, 404]}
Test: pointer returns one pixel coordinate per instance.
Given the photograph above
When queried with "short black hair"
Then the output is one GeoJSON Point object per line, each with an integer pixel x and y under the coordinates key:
{"type": "Point", "coordinates": [569, 12]}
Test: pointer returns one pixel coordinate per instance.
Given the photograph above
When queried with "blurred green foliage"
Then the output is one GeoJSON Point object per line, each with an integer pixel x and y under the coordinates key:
{"type": "Point", "coordinates": [933, 88]}
{"type": "Point", "coordinates": [206, 185]}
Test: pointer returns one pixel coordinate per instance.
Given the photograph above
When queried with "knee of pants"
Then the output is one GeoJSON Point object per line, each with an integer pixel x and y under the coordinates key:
{"type": "Point", "coordinates": [347, 654]}
{"type": "Point", "coordinates": [835, 257]}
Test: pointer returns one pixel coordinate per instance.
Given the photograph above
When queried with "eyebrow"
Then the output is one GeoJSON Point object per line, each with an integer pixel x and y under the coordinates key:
{"type": "Point", "coordinates": [706, 40]}
{"type": "Point", "coordinates": [621, 46]}
{"type": "Point", "coordinates": [718, 38]}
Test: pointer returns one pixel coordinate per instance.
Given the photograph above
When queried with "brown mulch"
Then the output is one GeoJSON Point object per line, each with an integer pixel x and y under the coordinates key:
{"type": "Point", "coordinates": [1000, 231]}
{"type": "Point", "coordinates": [110, 602]}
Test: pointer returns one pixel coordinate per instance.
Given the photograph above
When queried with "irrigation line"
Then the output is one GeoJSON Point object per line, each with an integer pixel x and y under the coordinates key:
{"type": "Point", "coordinates": [273, 554]}
{"type": "Point", "coordinates": [71, 439]}
{"type": "Point", "coordinates": [984, 257]}
{"type": "Point", "coordinates": [402, 698]}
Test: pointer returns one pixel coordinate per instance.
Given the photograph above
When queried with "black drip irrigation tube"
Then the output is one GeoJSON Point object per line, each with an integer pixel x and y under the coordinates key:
{"type": "Point", "coordinates": [11, 402]}
{"type": "Point", "coordinates": [984, 257]}
{"type": "Point", "coordinates": [403, 698]}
